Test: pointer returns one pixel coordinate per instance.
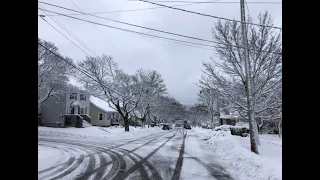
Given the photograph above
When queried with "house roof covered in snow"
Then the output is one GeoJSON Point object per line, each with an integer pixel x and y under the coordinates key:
{"type": "Point", "coordinates": [228, 116]}
{"type": "Point", "coordinates": [101, 104]}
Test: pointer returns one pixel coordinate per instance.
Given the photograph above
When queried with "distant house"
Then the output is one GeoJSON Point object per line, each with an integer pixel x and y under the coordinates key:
{"type": "Point", "coordinates": [228, 119]}
{"type": "Point", "coordinates": [102, 114]}
{"type": "Point", "coordinates": [66, 110]}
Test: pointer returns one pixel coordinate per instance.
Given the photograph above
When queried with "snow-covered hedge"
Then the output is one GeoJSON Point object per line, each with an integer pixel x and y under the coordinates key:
{"type": "Point", "coordinates": [242, 124]}
{"type": "Point", "coordinates": [223, 127]}
{"type": "Point", "coordinates": [239, 131]}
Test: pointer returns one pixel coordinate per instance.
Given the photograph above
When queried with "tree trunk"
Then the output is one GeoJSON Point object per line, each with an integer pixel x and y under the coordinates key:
{"type": "Point", "coordinates": [126, 124]}
{"type": "Point", "coordinates": [253, 132]}
{"type": "Point", "coordinates": [212, 116]}
{"type": "Point", "coordinates": [279, 128]}
{"type": "Point", "coordinates": [280, 123]}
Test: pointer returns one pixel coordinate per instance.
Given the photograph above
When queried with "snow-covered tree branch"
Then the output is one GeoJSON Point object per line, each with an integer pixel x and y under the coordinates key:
{"type": "Point", "coordinates": [105, 80]}
{"type": "Point", "coordinates": [251, 88]}
{"type": "Point", "coordinates": [52, 72]}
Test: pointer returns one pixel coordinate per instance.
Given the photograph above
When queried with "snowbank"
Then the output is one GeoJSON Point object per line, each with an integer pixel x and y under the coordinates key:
{"type": "Point", "coordinates": [97, 132]}
{"type": "Point", "coordinates": [234, 153]}
{"type": "Point", "coordinates": [242, 124]}
{"type": "Point", "coordinates": [223, 127]}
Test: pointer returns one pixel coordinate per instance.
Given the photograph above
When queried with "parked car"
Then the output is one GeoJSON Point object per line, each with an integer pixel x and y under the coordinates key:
{"type": "Point", "coordinates": [165, 127]}
{"type": "Point", "coordinates": [187, 126]}
{"type": "Point", "coordinates": [204, 126]}
{"type": "Point", "coordinates": [152, 124]}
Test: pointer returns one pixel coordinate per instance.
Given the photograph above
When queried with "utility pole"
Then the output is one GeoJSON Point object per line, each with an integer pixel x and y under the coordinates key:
{"type": "Point", "coordinates": [252, 124]}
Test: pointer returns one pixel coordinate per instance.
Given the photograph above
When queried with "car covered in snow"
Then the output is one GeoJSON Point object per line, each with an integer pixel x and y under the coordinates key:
{"type": "Point", "coordinates": [165, 127]}
{"type": "Point", "coordinates": [187, 126]}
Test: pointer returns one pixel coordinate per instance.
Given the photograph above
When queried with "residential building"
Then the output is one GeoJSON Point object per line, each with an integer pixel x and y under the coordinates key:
{"type": "Point", "coordinates": [66, 110]}
{"type": "Point", "coordinates": [102, 114]}
{"type": "Point", "coordinates": [228, 119]}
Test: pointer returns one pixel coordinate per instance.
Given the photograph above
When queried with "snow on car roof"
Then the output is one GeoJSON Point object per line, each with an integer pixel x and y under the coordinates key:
{"type": "Point", "coordinates": [101, 104]}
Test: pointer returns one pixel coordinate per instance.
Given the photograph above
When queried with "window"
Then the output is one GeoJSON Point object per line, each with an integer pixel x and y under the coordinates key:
{"type": "Point", "coordinates": [100, 117]}
{"type": "Point", "coordinates": [81, 110]}
{"type": "Point", "coordinates": [73, 96]}
{"type": "Point", "coordinates": [72, 110]}
{"type": "Point", "coordinates": [85, 110]}
{"type": "Point", "coordinates": [108, 116]}
{"type": "Point", "coordinates": [82, 97]}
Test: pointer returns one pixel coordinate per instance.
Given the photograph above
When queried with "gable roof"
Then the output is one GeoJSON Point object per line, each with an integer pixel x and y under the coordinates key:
{"type": "Point", "coordinates": [101, 104]}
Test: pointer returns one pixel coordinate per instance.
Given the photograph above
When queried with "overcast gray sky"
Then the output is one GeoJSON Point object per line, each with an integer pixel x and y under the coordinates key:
{"type": "Point", "coordinates": [179, 65]}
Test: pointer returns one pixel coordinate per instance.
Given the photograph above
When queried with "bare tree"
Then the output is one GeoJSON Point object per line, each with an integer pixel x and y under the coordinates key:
{"type": "Point", "coordinates": [153, 86]}
{"type": "Point", "coordinates": [198, 114]}
{"type": "Point", "coordinates": [159, 109]}
{"type": "Point", "coordinates": [108, 82]}
{"type": "Point", "coordinates": [210, 98]}
{"type": "Point", "coordinates": [264, 67]}
{"type": "Point", "coordinates": [52, 72]}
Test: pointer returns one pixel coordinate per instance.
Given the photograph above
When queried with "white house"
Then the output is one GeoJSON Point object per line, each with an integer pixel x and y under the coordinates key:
{"type": "Point", "coordinates": [102, 114]}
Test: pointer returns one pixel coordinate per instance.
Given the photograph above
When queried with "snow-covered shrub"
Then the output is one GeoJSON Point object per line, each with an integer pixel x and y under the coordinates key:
{"type": "Point", "coordinates": [242, 124]}
{"type": "Point", "coordinates": [223, 127]}
{"type": "Point", "coordinates": [239, 131]}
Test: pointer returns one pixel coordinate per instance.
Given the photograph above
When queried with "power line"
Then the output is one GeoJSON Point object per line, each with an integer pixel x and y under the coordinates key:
{"type": "Point", "coordinates": [103, 35]}
{"type": "Point", "coordinates": [219, 2]}
{"type": "Point", "coordinates": [165, 40]}
{"type": "Point", "coordinates": [136, 32]}
{"type": "Point", "coordinates": [121, 22]}
{"type": "Point", "coordinates": [192, 12]}
{"type": "Point", "coordinates": [137, 25]}
{"type": "Point", "coordinates": [64, 36]}
{"type": "Point", "coordinates": [247, 7]}
{"type": "Point", "coordinates": [155, 36]}
{"type": "Point", "coordinates": [82, 71]}
{"type": "Point", "coordinates": [183, 44]}
{"type": "Point", "coordinates": [128, 10]}
{"type": "Point", "coordinates": [74, 66]}
{"type": "Point", "coordinates": [70, 33]}
{"type": "Point", "coordinates": [144, 9]}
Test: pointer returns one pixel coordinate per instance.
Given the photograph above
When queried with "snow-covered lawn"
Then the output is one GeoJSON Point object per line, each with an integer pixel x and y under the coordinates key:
{"type": "Point", "coordinates": [49, 156]}
{"type": "Point", "coordinates": [233, 152]}
{"type": "Point", "coordinates": [97, 132]}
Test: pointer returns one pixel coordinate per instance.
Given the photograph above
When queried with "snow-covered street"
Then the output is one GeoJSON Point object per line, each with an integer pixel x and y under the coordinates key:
{"type": "Point", "coordinates": [159, 155]}
{"type": "Point", "coordinates": [153, 153]}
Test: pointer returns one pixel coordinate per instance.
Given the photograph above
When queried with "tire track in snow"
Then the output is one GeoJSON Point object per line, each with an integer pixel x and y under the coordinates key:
{"type": "Point", "coordinates": [137, 165]}
{"type": "Point", "coordinates": [66, 165]}
{"type": "Point", "coordinates": [115, 159]}
{"type": "Point", "coordinates": [70, 160]}
{"type": "Point", "coordinates": [71, 167]}
{"type": "Point", "coordinates": [121, 167]}
{"type": "Point", "coordinates": [177, 170]}
{"type": "Point", "coordinates": [99, 168]}
{"type": "Point", "coordinates": [103, 164]}
{"type": "Point", "coordinates": [141, 169]}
